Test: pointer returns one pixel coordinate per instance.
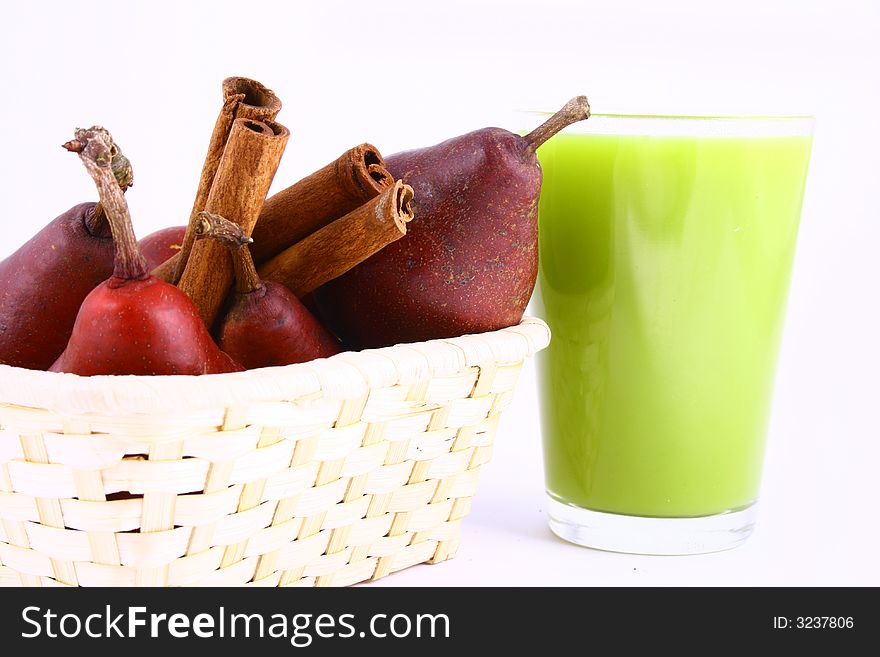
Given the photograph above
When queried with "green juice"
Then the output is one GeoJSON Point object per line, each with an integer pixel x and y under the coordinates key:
{"type": "Point", "coordinates": [664, 269]}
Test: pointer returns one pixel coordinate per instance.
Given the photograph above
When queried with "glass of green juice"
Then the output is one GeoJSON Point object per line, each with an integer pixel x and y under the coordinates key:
{"type": "Point", "coordinates": [666, 249]}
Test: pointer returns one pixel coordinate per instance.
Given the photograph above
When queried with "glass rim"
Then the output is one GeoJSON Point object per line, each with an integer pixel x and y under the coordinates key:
{"type": "Point", "coordinates": [758, 125]}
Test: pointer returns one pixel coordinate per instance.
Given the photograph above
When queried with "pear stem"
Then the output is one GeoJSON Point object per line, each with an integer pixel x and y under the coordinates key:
{"type": "Point", "coordinates": [577, 109]}
{"type": "Point", "coordinates": [97, 150]}
{"type": "Point", "coordinates": [96, 220]}
{"type": "Point", "coordinates": [212, 226]}
{"type": "Point", "coordinates": [247, 279]}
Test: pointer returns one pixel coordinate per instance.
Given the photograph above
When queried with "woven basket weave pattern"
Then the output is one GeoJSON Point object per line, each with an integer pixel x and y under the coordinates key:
{"type": "Point", "coordinates": [322, 474]}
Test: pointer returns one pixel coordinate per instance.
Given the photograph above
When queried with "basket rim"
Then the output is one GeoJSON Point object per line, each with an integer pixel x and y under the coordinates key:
{"type": "Point", "coordinates": [347, 375]}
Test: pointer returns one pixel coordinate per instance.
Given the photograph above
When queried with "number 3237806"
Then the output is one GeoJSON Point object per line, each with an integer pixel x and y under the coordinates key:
{"type": "Point", "coordinates": [813, 622]}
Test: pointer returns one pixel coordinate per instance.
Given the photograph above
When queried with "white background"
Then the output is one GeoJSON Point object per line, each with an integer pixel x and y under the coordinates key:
{"type": "Point", "coordinates": [411, 74]}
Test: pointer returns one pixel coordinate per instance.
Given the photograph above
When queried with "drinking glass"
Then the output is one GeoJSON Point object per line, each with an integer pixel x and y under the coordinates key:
{"type": "Point", "coordinates": [666, 249]}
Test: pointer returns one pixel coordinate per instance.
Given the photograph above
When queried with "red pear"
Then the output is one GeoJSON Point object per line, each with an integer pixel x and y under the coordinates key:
{"type": "Point", "coordinates": [43, 283]}
{"type": "Point", "coordinates": [469, 263]}
{"type": "Point", "coordinates": [265, 324]}
{"type": "Point", "coordinates": [160, 246]}
{"type": "Point", "coordinates": [133, 323]}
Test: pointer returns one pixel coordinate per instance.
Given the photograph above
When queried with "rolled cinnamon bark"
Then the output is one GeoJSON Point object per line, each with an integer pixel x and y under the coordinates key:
{"type": "Point", "coordinates": [333, 191]}
{"type": "Point", "coordinates": [340, 245]}
{"type": "Point", "coordinates": [243, 98]}
{"type": "Point", "coordinates": [243, 178]}
{"type": "Point", "coordinates": [293, 214]}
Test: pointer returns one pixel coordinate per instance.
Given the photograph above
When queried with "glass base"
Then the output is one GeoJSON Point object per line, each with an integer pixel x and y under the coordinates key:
{"type": "Point", "coordinates": [643, 535]}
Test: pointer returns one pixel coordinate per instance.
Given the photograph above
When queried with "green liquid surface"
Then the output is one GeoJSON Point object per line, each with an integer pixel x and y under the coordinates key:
{"type": "Point", "coordinates": [664, 269]}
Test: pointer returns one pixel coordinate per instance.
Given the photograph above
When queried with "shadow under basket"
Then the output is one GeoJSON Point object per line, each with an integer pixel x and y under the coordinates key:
{"type": "Point", "coordinates": [326, 473]}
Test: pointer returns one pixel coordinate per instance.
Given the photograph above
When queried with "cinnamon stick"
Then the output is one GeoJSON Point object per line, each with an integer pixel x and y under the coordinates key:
{"type": "Point", "coordinates": [333, 191]}
{"type": "Point", "coordinates": [293, 214]}
{"type": "Point", "coordinates": [242, 98]}
{"type": "Point", "coordinates": [340, 245]}
{"type": "Point", "coordinates": [243, 178]}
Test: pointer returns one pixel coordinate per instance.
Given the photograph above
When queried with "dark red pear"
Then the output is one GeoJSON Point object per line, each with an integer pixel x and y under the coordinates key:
{"type": "Point", "coordinates": [43, 283]}
{"type": "Point", "coordinates": [265, 324]}
{"type": "Point", "coordinates": [160, 246]}
{"type": "Point", "coordinates": [469, 263]}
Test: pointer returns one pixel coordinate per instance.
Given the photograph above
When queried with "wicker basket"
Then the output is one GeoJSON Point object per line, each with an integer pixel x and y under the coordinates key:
{"type": "Point", "coordinates": [322, 474]}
